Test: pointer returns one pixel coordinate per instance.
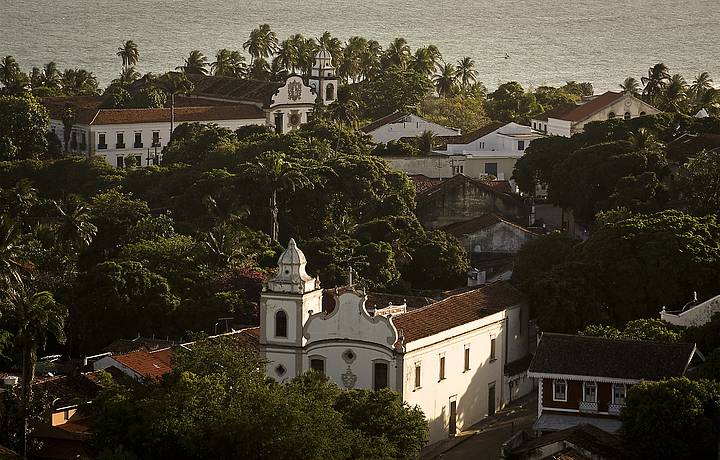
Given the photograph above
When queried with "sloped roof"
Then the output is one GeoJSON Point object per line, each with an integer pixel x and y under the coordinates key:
{"type": "Point", "coordinates": [457, 310]}
{"type": "Point", "coordinates": [688, 145]}
{"type": "Point", "coordinates": [182, 114]}
{"type": "Point", "coordinates": [480, 223]}
{"type": "Point", "coordinates": [423, 182]}
{"type": "Point", "coordinates": [86, 107]}
{"type": "Point", "coordinates": [501, 186]}
{"type": "Point", "coordinates": [471, 136]}
{"type": "Point", "coordinates": [151, 365]}
{"type": "Point", "coordinates": [579, 112]}
{"type": "Point", "coordinates": [579, 355]}
{"type": "Point", "coordinates": [584, 435]}
{"type": "Point", "coordinates": [69, 390]}
{"type": "Point", "coordinates": [387, 119]}
{"type": "Point", "coordinates": [459, 179]}
{"type": "Point", "coordinates": [233, 88]}
{"type": "Point", "coordinates": [558, 112]}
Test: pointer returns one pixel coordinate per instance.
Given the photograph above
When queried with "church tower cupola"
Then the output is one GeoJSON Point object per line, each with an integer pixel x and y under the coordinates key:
{"type": "Point", "coordinates": [292, 277]}
{"type": "Point", "coordinates": [322, 77]}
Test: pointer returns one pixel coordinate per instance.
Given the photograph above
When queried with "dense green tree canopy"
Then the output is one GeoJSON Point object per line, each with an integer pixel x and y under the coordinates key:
{"type": "Point", "coordinates": [23, 126]}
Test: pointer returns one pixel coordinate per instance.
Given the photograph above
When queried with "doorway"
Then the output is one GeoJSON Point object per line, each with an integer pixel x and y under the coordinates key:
{"type": "Point", "coordinates": [491, 399]}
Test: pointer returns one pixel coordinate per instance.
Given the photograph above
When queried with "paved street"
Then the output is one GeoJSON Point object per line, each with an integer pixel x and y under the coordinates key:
{"type": "Point", "coordinates": [483, 440]}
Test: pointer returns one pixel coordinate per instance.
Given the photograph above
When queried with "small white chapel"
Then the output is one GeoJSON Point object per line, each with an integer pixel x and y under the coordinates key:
{"type": "Point", "coordinates": [459, 359]}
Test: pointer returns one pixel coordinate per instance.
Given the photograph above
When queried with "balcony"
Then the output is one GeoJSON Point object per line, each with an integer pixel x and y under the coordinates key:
{"type": "Point", "coordinates": [138, 145]}
{"type": "Point", "coordinates": [102, 147]}
{"type": "Point", "coordinates": [119, 146]}
{"type": "Point", "coordinates": [588, 407]}
{"type": "Point", "coordinates": [155, 144]}
{"type": "Point", "coordinates": [614, 409]}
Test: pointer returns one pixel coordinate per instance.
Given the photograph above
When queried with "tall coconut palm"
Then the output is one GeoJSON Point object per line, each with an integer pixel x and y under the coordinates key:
{"type": "Point", "coordinates": [69, 117]}
{"type": "Point", "coordinates": [397, 54]}
{"type": "Point", "coordinates": [260, 69]}
{"type": "Point", "coordinates": [631, 86]}
{"type": "Point", "coordinates": [332, 44]}
{"type": "Point", "coordinates": [279, 174]}
{"type": "Point", "coordinates": [426, 142]}
{"type": "Point", "coordinates": [446, 80]}
{"type": "Point", "coordinates": [35, 317]}
{"type": "Point", "coordinates": [127, 77]}
{"type": "Point", "coordinates": [51, 75]}
{"type": "Point", "coordinates": [36, 77]}
{"type": "Point", "coordinates": [674, 96]}
{"type": "Point", "coordinates": [643, 139]}
{"type": "Point", "coordinates": [14, 80]}
{"type": "Point", "coordinates": [79, 82]}
{"type": "Point", "coordinates": [424, 61]}
{"type": "Point", "coordinates": [288, 53]}
{"type": "Point", "coordinates": [262, 43]}
{"type": "Point", "coordinates": [12, 263]}
{"type": "Point", "coordinates": [345, 109]}
{"type": "Point", "coordinates": [466, 73]}
{"type": "Point", "coordinates": [658, 76]}
{"type": "Point", "coordinates": [228, 64]}
{"type": "Point", "coordinates": [196, 63]}
{"type": "Point", "coordinates": [702, 83]}
{"type": "Point", "coordinates": [129, 54]}
{"type": "Point", "coordinates": [173, 83]}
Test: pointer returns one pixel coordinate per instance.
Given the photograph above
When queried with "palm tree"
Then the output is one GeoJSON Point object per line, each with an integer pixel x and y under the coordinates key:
{"type": "Point", "coordinates": [674, 96]}
{"type": "Point", "coordinates": [466, 72]}
{"type": "Point", "coordinates": [35, 317]}
{"type": "Point", "coordinates": [446, 80]}
{"type": "Point", "coordinates": [260, 69]}
{"type": "Point", "coordinates": [14, 80]}
{"type": "Point", "coordinates": [12, 264]}
{"type": "Point", "coordinates": [370, 59]}
{"type": "Point", "coordinates": [129, 54]}
{"type": "Point", "coordinates": [397, 54]}
{"type": "Point", "coordinates": [424, 61]}
{"type": "Point", "coordinates": [75, 228]}
{"type": "Point", "coordinates": [332, 44]}
{"type": "Point", "coordinates": [69, 117]}
{"type": "Point", "coordinates": [196, 63]}
{"type": "Point", "coordinates": [658, 77]}
{"type": "Point", "coordinates": [288, 53]}
{"type": "Point", "coordinates": [699, 86]}
{"type": "Point", "coordinates": [345, 109]}
{"type": "Point", "coordinates": [643, 139]}
{"type": "Point", "coordinates": [262, 43]}
{"type": "Point", "coordinates": [128, 76]}
{"type": "Point", "coordinates": [228, 64]}
{"type": "Point", "coordinates": [51, 75]}
{"type": "Point", "coordinates": [426, 142]}
{"type": "Point", "coordinates": [173, 83]}
{"type": "Point", "coordinates": [631, 86]}
{"type": "Point", "coordinates": [279, 174]}
{"type": "Point", "coordinates": [78, 82]}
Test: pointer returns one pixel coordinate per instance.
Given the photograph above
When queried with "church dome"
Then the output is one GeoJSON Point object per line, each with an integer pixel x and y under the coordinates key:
{"type": "Point", "coordinates": [292, 276]}
{"type": "Point", "coordinates": [323, 54]}
{"type": "Point", "coordinates": [292, 255]}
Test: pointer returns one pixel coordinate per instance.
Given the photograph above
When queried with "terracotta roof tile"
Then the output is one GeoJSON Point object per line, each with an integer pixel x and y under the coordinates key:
{"type": "Point", "coordinates": [151, 365]}
{"type": "Point", "coordinates": [558, 112]}
{"type": "Point", "coordinates": [461, 178]}
{"type": "Point", "coordinates": [611, 358]}
{"type": "Point", "coordinates": [583, 111]}
{"type": "Point", "coordinates": [501, 186]}
{"type": "Point", "coordinates": [423, 182]}
{"type": "Point", "coordinates": [182, 114]}
{"type": "Point", "coordinates": [457, 310]}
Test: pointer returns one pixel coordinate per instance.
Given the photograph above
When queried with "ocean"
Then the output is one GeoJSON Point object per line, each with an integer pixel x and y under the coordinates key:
{"type": "Point", "coordinates": [548, 41]}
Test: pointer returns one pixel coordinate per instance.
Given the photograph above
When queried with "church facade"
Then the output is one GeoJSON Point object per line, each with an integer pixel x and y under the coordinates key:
{"type": "Point", "coordinates": [456, 359]}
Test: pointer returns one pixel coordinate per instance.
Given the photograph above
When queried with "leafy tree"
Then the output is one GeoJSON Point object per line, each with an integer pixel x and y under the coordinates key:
{"type": "Point", "coordinates": [14, 81]}
{"type": "Point", "coordinates": [541, 157]}
{"type": "Point", "coordinates": [396, 89]}
{"type": "Point", "coordinates": [192, 142]}
{"type": "Point", "coordinates": [578, 89]}
{"type": "Point", "coordinates": [676, 418]}
{"type": "Point", "coordinates": [699, 185]}
{"type": "Point", "coordinates": [540, 255]}
{"type": "Point", "coordinates": [78, 82]}
{"type": "Point", "coordinates": [23, 124]}
{"type": "Point", "coordinates": [639, 329]}
{"type": "Point", "coordinates": [437, 261]}
{"type": "Point", "coordinates": [510, 102]}
{"type": "Point", "coordinates": [465, 113]}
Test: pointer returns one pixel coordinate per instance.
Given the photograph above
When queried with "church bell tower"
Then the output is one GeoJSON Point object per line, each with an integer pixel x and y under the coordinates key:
{"type": "Point", "coordinates": [322, 77]}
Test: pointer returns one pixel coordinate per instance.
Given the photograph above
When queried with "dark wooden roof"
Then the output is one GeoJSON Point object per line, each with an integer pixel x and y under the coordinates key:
{"type": "Point", "coordinates": [585, 436]}
{"type": "Point", "coordinates": [387, 119]}
{"type": "Point", "coordinates": [579, 355]}
{"type": "Point", "coordinates": [238, 89]}
{"type": "Point", "coordinates": [457, 310]}
{"type": "Point", "coordinates": [479, 223]}
{"type": "Point", "coordinates": [688, 145]}
{"type": "Point", "coordinates": [458, 179]}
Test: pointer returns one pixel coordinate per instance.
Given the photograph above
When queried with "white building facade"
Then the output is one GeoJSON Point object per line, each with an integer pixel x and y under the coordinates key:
{"type": "Point", "coordinates": [448, 358]}
{"type": "Point", "coordinates": [400, 125]}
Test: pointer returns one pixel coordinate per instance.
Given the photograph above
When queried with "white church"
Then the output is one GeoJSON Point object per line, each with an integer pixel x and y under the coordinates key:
{"type": "Point", "coordinates": [459, 359]}
{"type": "Point", "coordinates": [137, 136]}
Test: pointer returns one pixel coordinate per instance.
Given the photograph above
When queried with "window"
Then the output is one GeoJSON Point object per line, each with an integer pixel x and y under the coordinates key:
{"type": "Point", "coordinates": [330, 92]}
{"type": "Point", "coordinates": [101, 142]}
{"type": "Point", "coordinates": [318, 365]}
{"type": "Point", "coordinates": [381, 376]}
{"type": "Point", "coordinates": [138, 144]}
{"type": "Point", "coordinates": [156, 139]}
{"type": "Point", "coordinates": [457, 170]}
{"type": "Point", "coordinates": [559, 390]}
{"type": "Point", "coordinates": [83, 141]}
{"type": "Point", "coordinates": [442, 368]}
{"type": "Point", "coordinates": [467, 358]}
{"type": "Point", "coordinates": [611, 115]}
{"type": "Point", "coordinates": [120, 162]}
{"type": "Point", "coordinates": [492, 348]}
{"type": "Point", "coordinates": [534, 125]}
{"type": "Point", "coordinates": [619, 392]}
{"type": "Point", "coordinates": [627, 115]}
{"type": "Point", "coordinates": [281, 324]}
{"type": "Point", "coordinates": [417, 375]}
{"type": "Point", "coordinates": [521, 145]}
{"type": "Point", "coordinates": [590, 392]}
{"type": "Point", "coordinates": [120, 144]}
{"type": "Point", "coordinates": [491, 169]}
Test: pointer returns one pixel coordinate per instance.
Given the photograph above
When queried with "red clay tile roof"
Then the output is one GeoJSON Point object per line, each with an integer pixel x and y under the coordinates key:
{"type": "Point", "coordinates": [479, 223]}
{"type": "Point", "coordinates": [457, 310]}
{"type": "Point", "coordinates": [457, 180]}
{"type": "Point", "coordinates": [501, 185]}
{"type": "Point", "coordinates": [581, 112]}
{"type": "Point", "coordinates": [86, 107]}
{"type": "Point", "coordinates": [423, 182]}
{"type": "Point", "coordinates": [558, 112]}
{"type": "Point", "coordinates": [182, 114]}
{"type": "Point", "coordinates": [147, 364]}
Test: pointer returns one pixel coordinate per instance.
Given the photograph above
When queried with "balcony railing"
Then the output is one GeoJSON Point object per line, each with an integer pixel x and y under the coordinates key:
{"type": "Point", "coordinates": [138, 145]}
{"type": "Point", "coordinates": [614, 409]}
{"type": "Point", "coordinates": [102, 146]}
{"type": "Point", "coordinates": [587, 406]}
{"type": "Point", "coordinates": [120, 145]}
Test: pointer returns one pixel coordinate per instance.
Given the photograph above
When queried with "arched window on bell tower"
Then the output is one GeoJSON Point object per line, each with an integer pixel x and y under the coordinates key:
{"type": "Point", "coordinates": [281, 323]}
{"type": "Point", "coordinates": [330, 92]}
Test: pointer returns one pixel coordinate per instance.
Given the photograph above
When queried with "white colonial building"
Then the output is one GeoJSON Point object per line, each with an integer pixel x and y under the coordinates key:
{"type": "Point", "coordinates": [400, 125]}
{"type": "Point", "coordinates": [140, 134]}
{"type": "Point", "coordinates": [459, 359]}
{"type": "Point", "coordinates": [489, 151]}
{"type": "Point", "coordinates": [569, 119]}
{"type": "Point", "coordinates": [694, 313]}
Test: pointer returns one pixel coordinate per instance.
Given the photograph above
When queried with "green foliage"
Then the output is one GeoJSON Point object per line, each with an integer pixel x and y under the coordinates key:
{"type": "Point", "coordinates": [23, 124]}
{"type": "Point", "coordinates": [697, 182]}
{"type": "Point", "coordinates": [464, 113]}
{"type": "Point", "coordinates": [192, 142]}
{"type": "Point", "coordinates": [437, 261]}
{"type": "Point", "coordinates": [218, 403]}
{"type": "Point", "coordinates": [396, 89]}
{"type": "Point", "coordinates": [676, 418]}
{"type": "Point", "coordinates": [639, 329]}
{"type": "Point", "coordinates": [510, 102]}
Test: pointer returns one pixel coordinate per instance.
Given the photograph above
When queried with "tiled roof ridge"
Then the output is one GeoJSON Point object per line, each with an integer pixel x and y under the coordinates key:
{"type": "Point", "coordinates": [454, 296]}
{"type": "Point", "coordinates": [427, 192]}
{"type": "Point", "coordinates": [500, 219]}
{"type": "Point", "coordinates": [384, 120]}
{"type": "Point", "coordinates": [595, 338]}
